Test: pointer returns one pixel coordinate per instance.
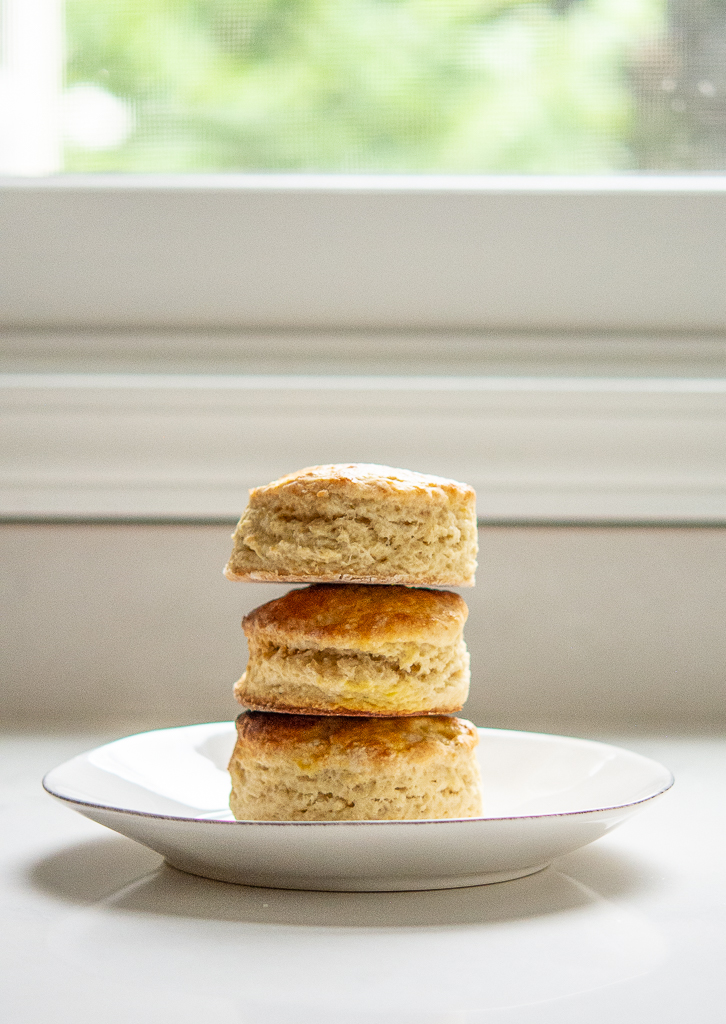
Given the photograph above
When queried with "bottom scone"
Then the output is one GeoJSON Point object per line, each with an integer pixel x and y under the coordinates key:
{"type": "Point", "coordinates": [306, 768]}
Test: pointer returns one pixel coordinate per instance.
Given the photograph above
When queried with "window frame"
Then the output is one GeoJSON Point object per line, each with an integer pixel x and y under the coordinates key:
{"type": "Point", "coordinates": [97, 264]}
{"type": "Point", "coordinates": [622, 254]}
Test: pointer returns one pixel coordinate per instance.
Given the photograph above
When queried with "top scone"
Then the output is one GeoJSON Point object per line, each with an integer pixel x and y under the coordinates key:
{"type": "Point", "coordinates": [357, 523]}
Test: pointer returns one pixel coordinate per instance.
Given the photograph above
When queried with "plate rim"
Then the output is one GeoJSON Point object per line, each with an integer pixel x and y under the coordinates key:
{"type": "Point", "coordinates": [670, 780]}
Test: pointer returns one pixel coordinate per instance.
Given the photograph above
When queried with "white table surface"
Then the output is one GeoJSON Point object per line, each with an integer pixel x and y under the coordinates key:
{"type": "Point", "coordinates": [631, 929]}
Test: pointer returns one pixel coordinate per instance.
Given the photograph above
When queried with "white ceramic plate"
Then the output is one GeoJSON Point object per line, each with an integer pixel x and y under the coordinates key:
{"type": "Point", "coordinates": [544, 796]}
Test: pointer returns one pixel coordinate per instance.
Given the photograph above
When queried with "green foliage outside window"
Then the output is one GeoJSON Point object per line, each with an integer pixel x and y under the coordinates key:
{"type": "Point", "coordinates": [456, 86]}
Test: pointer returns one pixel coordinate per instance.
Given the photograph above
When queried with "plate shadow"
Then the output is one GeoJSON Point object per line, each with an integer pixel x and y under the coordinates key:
{"type": "Point", "coordinates": [135, 880]}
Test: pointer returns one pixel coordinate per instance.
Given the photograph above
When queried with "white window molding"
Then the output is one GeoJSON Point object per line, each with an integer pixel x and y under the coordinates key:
{"type": "Point", "coordinates": [593, 254]}
{"type": "Point", "coordinates": [610, 404]}
{"type": "Point", "coordinates": [392, 353]}
{"type": "Point", "coordinates": [536, 449]}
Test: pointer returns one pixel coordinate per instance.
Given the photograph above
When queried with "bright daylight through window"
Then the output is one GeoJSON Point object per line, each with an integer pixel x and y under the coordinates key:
{"type": "Point", "coordinates": [397, 86]}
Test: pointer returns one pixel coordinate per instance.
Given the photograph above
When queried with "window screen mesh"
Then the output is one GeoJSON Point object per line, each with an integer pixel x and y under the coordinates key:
{"type": "Point", "coordinates": [443, 86]}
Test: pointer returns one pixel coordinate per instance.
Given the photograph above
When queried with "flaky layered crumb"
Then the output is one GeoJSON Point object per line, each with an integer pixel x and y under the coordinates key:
{"type": "Point", "coordinates": [399, 679]}
{"type": "Point", "coordinates": [358, 524]}
{"type": "Point", "coordinates": [353, 769]}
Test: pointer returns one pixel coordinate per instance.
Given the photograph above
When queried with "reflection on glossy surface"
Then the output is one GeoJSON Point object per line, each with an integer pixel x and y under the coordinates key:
{"type": "Point", "coordinates": [424, 954]}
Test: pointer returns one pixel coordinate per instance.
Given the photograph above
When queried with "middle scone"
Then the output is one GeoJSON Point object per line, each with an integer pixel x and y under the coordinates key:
{"type": "Point", "coordinates": [349, 649]}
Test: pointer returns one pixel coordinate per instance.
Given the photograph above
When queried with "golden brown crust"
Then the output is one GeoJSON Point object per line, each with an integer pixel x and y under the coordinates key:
{"type": "Point", "coordinates": [338, 736]}
{"type": "Point", "coordinates": [366, 478]}
{"type": "Point", "coordinates": [357, 617]}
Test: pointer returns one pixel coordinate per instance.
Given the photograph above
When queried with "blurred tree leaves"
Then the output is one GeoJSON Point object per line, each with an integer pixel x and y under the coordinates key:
{"type": "Point", "coordinates": [452, 86]}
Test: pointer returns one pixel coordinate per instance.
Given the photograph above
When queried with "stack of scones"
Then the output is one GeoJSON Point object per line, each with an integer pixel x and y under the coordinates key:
{"type": "Point", "coordinates": [352, 681]}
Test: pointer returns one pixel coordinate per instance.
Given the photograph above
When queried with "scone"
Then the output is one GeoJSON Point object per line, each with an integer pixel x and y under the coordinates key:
{"type": "Point", "coordinates": [358, 523]}
{"type": "Point", "coordinates": [349, 649]}
{"type": "Point", "coordinates": [300, 768]}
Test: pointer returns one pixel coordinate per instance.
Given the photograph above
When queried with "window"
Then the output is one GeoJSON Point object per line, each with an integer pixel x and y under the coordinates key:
{"type": "Point", "coordinates": [517, 289]}
{"type": "Point", "coordinates": [361, 86]}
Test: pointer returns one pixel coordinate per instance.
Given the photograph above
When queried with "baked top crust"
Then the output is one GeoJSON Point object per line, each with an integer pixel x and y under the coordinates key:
{"type": "Point", "coordinates": [370, 479]}
{"type": "Point", "coordinates": [316, 740]}
{"type": "Point", "coordinates": [357, 617]}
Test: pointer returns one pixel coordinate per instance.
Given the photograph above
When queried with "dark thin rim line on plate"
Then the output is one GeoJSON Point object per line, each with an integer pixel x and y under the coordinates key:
{"type": "Point", "coordinates": [374, 821]}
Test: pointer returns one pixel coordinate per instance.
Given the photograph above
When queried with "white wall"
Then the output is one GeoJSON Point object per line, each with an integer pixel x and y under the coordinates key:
{"type": "Point", "coordinates": [601, 628]}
